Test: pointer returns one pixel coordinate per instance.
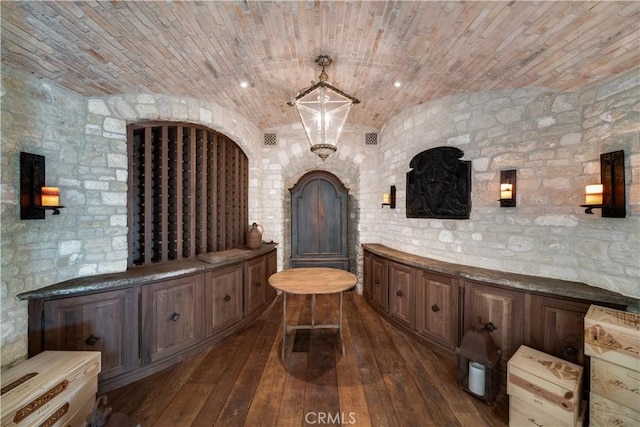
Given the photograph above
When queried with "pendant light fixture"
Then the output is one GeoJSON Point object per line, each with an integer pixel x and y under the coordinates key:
{"type": "Point", "coordinates": [323, 110]}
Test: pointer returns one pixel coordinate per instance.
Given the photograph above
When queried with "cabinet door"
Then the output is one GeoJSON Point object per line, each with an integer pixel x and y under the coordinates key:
{"type": "Point", "coordinates": [255, 284]}
{"type": "Point", "coordinates": [223, 298]}
{"type": "Point", "coordinates": [105, 322]}
{"type": "Point", "coordinates": [319, 222]}
{"type": "Point", "coordinates": [503, 308]}
{"type": "Point", "coordinates": [402, 293]}
{"type": "Point", "coordinates": [171, 316]}
{"type": "Point", "coordinates": [557, 327]}
{"type": "Point", "coordinates": [380, 290]}
{"type": "Point", "coordinates": [272, 268]}
{"type": "Point", "coordinates": [437, 308]}
{"type": "Point", "coordinates": [367, 274]}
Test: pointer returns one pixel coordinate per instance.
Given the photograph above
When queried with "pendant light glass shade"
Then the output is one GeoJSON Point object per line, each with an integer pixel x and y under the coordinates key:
{"type": "Point", "coordinates": [323, 110]}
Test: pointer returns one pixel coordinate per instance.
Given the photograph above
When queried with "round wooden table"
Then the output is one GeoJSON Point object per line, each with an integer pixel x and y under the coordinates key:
{"type": "Point", "coordinates": [305, 281]}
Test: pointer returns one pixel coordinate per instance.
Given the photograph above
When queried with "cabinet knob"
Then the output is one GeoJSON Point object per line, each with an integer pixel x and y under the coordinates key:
{"type": "Point", "coordinates": [569, 351]}
{"type": "Point", "coordinates": [227, 298]}
{"type": "Point", "coordinates": [435, 308]}
{"type": "Point", "coordinates": [258, 284]}
{"type": "Point", "coordinates": [377, 281]}
{"type": "Point", "coordinates": [399, 293]}
{"type": "Point", "coordinates": [92, 340]}
{"type": "Point", "coordinates": [175, 317]}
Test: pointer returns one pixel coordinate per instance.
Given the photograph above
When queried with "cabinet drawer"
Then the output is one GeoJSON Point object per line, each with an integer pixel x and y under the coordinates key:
{"type": "Point", "coordinates": [379, 283]}
{"type": "Point", "coordinates": [223, 296]}
{"type": "Point", "coordinates": [105, 322]}
{"type": "Point", "coordinates": [255, 284]}
{"type": "Point", "coordinates": [503, 308]}
{"type": "Point", "coordinates": [557, 327]}
{"type": "Point", "coordinates": [402, 293]}
{"type": "Point", "coordinates": [607, 413]}
{"type": "Point", "coordinates": [171, 316]}
{"type": "Point", "coordinates": [618, 383]}
{"type": "Point", "coordinates": [437, 308]}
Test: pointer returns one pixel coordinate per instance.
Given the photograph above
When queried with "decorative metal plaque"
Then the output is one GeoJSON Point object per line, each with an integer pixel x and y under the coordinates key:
{"type": "Point", "coordinates": [439, 185]}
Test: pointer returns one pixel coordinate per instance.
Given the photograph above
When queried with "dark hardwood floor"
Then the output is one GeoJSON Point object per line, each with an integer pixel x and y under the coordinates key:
{"type": "Point", "coordinates": [386, 378]}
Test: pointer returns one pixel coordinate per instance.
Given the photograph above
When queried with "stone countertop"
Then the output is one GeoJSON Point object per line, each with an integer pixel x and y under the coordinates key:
{"type": "Point", "coordinates": [534, 284]}
{"type": "Point", "coordinates": [147, 273]}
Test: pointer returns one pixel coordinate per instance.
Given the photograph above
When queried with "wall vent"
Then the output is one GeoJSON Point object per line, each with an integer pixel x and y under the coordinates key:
{"type": "Point", "coordinates": [371, 139]}
{"type": "Point", "coordinates": [270, 139]}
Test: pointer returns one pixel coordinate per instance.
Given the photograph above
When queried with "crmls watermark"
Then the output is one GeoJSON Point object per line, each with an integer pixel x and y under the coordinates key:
{"type": "Point", "coordinates": [341, 418]}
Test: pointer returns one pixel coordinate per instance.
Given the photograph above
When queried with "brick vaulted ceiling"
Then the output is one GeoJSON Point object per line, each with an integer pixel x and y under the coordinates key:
{"type": "Point", "coordinates": [204, 49]}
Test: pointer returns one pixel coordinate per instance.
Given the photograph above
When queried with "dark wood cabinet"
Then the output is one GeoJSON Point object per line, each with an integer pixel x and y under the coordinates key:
{"type": "Point", "coordinates": [171, 316]}
{"type": "Point", "coordinates": [255, 284]}
{"type": "Point", "coordinates": [319, 229]}
{"type": "Point", "coordinates": [502, 310]}
{"type": "Point", "coordinates": [105, 322]}
{"type": "Point", "coordinates": [223, 295]}
{"type": "Point", "coordinates": [154, 321]}
{"type": "Point", "coordinates": [438, 302]}
{"type": "Point", "coordinates": [437, 308]}
{"type": "Point", "coordinates": [402, 289]}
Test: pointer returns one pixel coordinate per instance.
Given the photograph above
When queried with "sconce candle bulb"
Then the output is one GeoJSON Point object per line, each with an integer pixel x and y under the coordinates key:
{"type": "Point", "coordinates": [50, 196]}
{"type": "Point", "coordinates": [389, 199]}
{"type": "Point", "coordinates": [593, 194]}
{"type": "Point", "coordinates": [508, 189]}
{"type": "Point", "coordinates": [610, 194]}
{"type": "Point", "coordinates": [35, 197]}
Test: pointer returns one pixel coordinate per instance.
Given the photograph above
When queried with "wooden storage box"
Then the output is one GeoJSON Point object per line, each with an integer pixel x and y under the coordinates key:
{"type": "Point", "coordinates": [605, 412]}
{"type": "Point", "coordinates": [546, 384]}
{"type": "Point", "coordinates": [523, 415]}
{"type": "Point", "coordinates": [616, 382]}
{"type": "Point", "coordinates": [53, 388]}
{"type": "Point", "coordinates": [613, 335]}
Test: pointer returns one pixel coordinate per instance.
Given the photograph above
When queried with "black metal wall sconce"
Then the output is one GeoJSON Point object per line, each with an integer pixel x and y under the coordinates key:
{"type": "Point", "coordinates": [508, 188]}
{"type": "Point", "coordinates": [35, 198]}
{"type": "Point", "coordinates": [610, 194]}
{"type": "Point", "coordinates": [389, 199]}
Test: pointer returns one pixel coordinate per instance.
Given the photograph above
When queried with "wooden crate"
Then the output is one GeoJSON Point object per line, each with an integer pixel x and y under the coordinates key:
{"type": "Point", "coordinates": [545, 383]}
{"type": "Point", "coordinates": [523, 415]}
{"type": "Point", "coordinates": [616, 382]}
{"type": "Point", "coordinates": [50, 388]}
{"type": "Point", "coordinates": [82, 415]}
{"type": "Point", "coordinates": [607, 413]}
{"type": "Point", "coordinates": [613, 335]}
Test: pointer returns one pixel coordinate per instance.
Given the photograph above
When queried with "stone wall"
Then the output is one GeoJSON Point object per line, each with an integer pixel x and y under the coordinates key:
{"type": "Point", "coordinates": [554, 141]}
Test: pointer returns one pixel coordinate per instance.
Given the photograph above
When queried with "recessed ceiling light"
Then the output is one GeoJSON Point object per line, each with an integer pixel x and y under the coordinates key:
{"type": "Point", "coordinates": [244, 84]}
{"type": "Point", "coordinates": [397, 84]}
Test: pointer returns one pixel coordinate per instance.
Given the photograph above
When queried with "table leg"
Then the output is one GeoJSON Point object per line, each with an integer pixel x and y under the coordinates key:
{"type": "Point", "coordinates": [284, 321]}
{"type": "Point", "coordinates": [340, 325]}
{"type": "Point", "coordinates": [313, 309]}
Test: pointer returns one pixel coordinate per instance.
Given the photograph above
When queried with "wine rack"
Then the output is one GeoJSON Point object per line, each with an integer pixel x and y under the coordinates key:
{"type": "Point", "coordinates": [188, 192]}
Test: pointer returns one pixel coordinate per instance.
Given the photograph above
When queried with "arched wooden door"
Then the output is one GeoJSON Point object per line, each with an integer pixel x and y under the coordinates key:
{"type": "Point", "coordinates": [319, 222]}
